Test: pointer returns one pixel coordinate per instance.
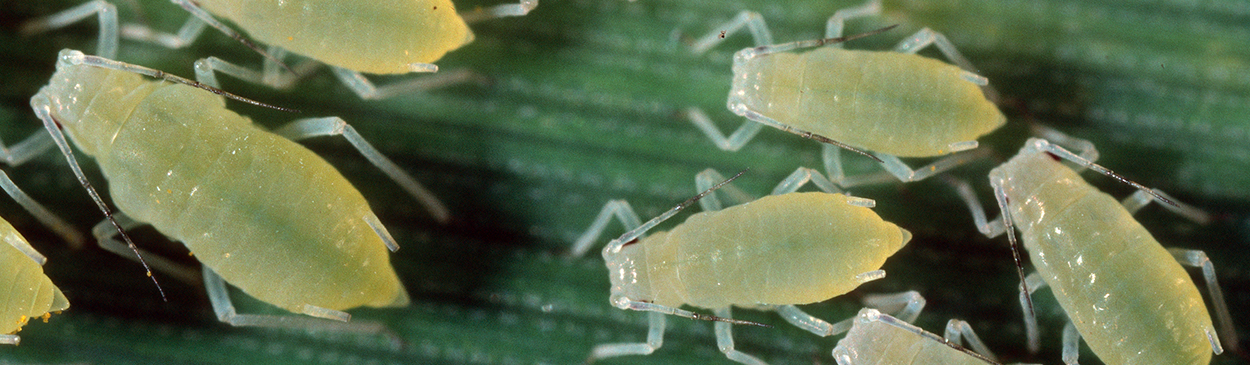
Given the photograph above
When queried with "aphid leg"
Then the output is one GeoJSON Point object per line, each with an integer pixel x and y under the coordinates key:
{"type": "Point", "coordinates": [107, 46]}
{"type": "Point", "coordinates": [1071, 344]}
{"type": "Point", "coordinates": [187, 34]}
{"type": "Point", "coordinates": [325, 319]}
{"type": "Point", "coordinates": [750, 19]}
{"type": "Point", "coordinates": [655, 339]}
{"type": "Point", "coordinates": [905, 306]}
{"type": "Point", "coordinates": [332, 126]}
{"type": "Point", "coordinates": [990, 229]}
{"type": "Point", "coordinates": [104, 233]}
{"type": "Point", "coordinates": [1196, 258]}
{"type": "Point", "coordinates": [56, 224]}
{"type": "Point", "coordinates": [820, 327]}
{"type": "Point", "coordinates": [198, 12]}
{"type": "Point", "coordinates": [27, 149]}
{"type": "Point", "coordinates": [205, 68]}
{"type": "Point", "coordinates": [832, 157]}
{"type": "Point", "coordinates": [618, 208]}
{"type": "Point", "coordinates": [734, 141]}
{"type": "Point", "coordinates": [364, 88]}
{"type": "Point", "coordinates": [1033, 282]}
{"type": "Point", "coordinates": [1140, 199]}
{"type": "Point", "coordinates": [10, 340]}
{"type": "Point", "coordinates": [833, 28]}
{"type": "Point", "coordinates": [725, 341]}
{"type": "Point", "coordinates": [959, 332]}
{"type": "Point", "coordinates": [896, 167]}
{"type": "Point", "coordinates": [707, 179]}
{"type": "Point", "coordinates": [926, 37]}
{"type": "Point", "coordinates": [499, 11]}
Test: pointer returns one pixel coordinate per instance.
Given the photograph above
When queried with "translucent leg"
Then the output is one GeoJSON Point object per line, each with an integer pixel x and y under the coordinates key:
{"type": "Point", "coordinates": [959, 332]}
{"type": "Point", "coordinates": [926, 37]}
{"type": "Point", "coordinates": [618, 208]}
{"type": "Point", "coordinates": [107, 46]}
{"type": "Point", "coordinates": [655, 339]}
{"type": "Point", "coordinates": [725, 341]}
{"type": "Point", "coordinates": [832, 157]}
{"type": "Point", "coordinates": [499, 11]}
{"type": "Point", "coordinates": [203, 15]}
{"type": "Point", "coordinates": [10, 340]}
{"type": "Point", "coordinates": [990, 229]}
{"type": "Point", "coordinates": [734, 141]}
{"type": "Point", "coordinates": [1071, 344]}
{"type": "Point", "coordinates": [1140, 199]}
{"type": "Point", "coordinates": [820, 327]}
{"type": "Point", "coordinates": [361, 85]}
{"type": "Point", "coordinates": [1195, 258]}
{"type": "Point", "coordinates": [750, 19]}
{"type": "Point", "coordinates": [326, 319]}
{"type": "Point", "coordinates": [896, 167]}
{"type": "Point", "coordinates": [25, 150]}
{"type": "Point", "coordinates": [190, 31]}
{"type": "Point", "coordinates": [833, 28]}
{"type": "Point", "coordinates": [334, 126]}
{"type": "Point", "coordinates": [1033, 282]}
{"type": "Point", "coordinates": [707, 179]}
{"type": "Point", "coordinates": [56, 224]}
{"type": "Point", "coordinates": [905, 306]}
{"type": "Point", "coordinates": [205, 69]}
{"type": "Point", "coordinates": [104, 233]}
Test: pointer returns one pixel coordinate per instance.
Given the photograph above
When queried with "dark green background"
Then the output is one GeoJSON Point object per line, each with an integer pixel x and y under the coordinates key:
{"type": "Point", "coordinates": [583, 106]}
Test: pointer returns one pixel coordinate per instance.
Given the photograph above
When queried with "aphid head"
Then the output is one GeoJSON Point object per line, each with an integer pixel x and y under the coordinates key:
{"type": "Point", "coordinates": [627, 270]}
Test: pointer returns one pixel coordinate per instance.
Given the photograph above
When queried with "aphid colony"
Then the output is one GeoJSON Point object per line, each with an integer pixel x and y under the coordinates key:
{"type": "Point", "coordinates": [789, 248]}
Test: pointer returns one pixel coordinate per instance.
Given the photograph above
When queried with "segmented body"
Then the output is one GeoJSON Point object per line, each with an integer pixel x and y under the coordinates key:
{"type": "Point", "coordinates": [1127, 296]}
{"type": "Point", "coordinates": [899, 104]}
{"type": "Point", "coordinates": [878, 339]}
{"type": "Point", "coordinates": [794, 248]}
{"type": "Point", "coordinates": [376, 36]}
{"type": "Point", "coordinates": [268, 215]}
{"type": "Point", "coordinates": [28, 292]}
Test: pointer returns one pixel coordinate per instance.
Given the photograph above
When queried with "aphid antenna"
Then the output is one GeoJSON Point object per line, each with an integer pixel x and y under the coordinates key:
{"type": "Point", "coordinates": [1009, 226]}
{"type": "Point", "coordinates": [78, 58]}
{"type": "Point", "coordinates": [652, 307]}
{"type": "Point", "coordinates": [191, 7]}
{"type": "Point", "coordinates": [633, 234]}
{"type": "Point", "coordinates": [1063, 153]}
{"type": "Point", "coordinates": [50, 124]}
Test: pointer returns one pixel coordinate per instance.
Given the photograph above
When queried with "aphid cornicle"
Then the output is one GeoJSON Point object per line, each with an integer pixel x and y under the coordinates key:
{"type": "Point", "coordinates": [266, 214]}
{"type": "Point", "coordinates": [895, 104]}
{"type": "Point", "coordinates": [1126, 295]}
{"type": "Point", "coordinates": [353, 37]}
{"type": "Point", "coordinates": [771, 253]}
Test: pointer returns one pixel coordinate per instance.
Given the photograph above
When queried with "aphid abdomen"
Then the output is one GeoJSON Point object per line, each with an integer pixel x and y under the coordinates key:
{"type": "Point", "coordinates": [1126, 295]}
{"type": "Point", "coordinates": [783, 249]}
{"type": "Point", "coordinates": [379, 37]}
{"type": "Point", "coordinates": [29, 293]}
{"type": "Point", "coordinates": [899, 104]}
{"type": "Point", "coordinates": [268, 215]}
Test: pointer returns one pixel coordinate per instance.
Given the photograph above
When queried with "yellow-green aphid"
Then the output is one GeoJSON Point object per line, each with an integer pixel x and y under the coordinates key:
{"type": "Point", "coordinates": [28, 293]}
{"type": "Point", "coordinates": [877, 338]}
{"type": "Point", "coordinates": [773, 252]}
{"type": "Point", "coordinates": [1126, 295]}
{"type": "Point", "coordinates": [353, 37]}
{"type": "Point", "coordinates": [895, 104]}
{"type": "Point", "coordinates": [266, 214]}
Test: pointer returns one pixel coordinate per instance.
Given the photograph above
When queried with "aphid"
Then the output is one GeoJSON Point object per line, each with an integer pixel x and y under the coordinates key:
{"type": "Point", "coordinates": [264, 213]}
{"type": "Point", "coordinates": [1126, 295]}
{"type": "Point", "coordinates": [896, 104]}
{"type": "Point", "coordinates": [878, 338]}
{"type": "Point", "coordinates": [375, 37]}
{"type": "Point", "coordinates": [27, 292]}
{"type": "Point", "coordinates": [772, 253]}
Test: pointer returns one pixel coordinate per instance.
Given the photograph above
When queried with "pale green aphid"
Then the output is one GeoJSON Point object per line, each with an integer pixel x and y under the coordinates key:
{"type": "Point", "coordinates": [27, 292]}
{"type": "Point", "coordinates": [895, 104]}
{"type": "Point", "coordinates": [1126, 295]}
{"type": "Point", "coordinates": [771, 253]}
{"type": "Point", "coordinates": [352, 37]}
{"type": "Point", "coordinates": [266, 214]}
{"type": "Point", "coordinates": [877, 338]}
